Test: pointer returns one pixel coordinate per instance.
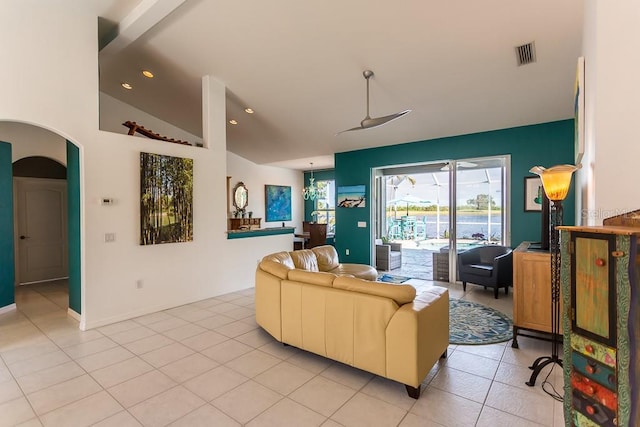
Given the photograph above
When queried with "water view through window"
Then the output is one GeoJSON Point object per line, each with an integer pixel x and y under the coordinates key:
{"type": "Point", "coordinates": [417, 202]}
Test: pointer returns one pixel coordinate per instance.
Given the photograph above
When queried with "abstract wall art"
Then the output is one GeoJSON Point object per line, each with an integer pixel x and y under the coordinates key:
{"type": "Point", "coordinates": [277, 202]}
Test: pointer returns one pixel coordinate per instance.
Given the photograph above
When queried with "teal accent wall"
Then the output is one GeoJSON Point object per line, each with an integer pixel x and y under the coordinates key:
{"type": "Point", "coordinates": [73, 209]}
{"type": "Point", "coordinates": [322, 175]}
{"type": "Point", "coordinates": [544, 144]}
{"type": "Point", "coordinates": [7, 256]}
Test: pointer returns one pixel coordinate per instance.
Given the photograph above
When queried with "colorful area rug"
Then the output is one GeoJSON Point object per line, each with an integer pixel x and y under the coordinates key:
{"type": "Point", "coordinates": [471, 323]}
{"type": "Point", "coordinates": [390, 278]}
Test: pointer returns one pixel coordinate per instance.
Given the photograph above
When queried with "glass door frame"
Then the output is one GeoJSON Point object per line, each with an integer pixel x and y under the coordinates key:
{"type": "Point", "coordinates": [378, 211]}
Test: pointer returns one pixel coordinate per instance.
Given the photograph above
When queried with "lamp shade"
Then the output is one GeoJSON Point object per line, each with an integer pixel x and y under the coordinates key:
{"type": "Point", "coordinates": [556, 180]}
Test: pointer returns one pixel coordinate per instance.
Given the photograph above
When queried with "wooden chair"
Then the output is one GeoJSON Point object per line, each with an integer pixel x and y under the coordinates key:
{"type": "Point", "coordinates": [317, 235]}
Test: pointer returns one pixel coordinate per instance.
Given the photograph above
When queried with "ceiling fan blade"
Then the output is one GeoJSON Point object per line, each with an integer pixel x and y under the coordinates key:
{"type": "Point", "coordinates": [349, 130]}
{"type": "Point", "coordinates": [379, 121]}
{"type": "Point", "coordinates": [368, 122]}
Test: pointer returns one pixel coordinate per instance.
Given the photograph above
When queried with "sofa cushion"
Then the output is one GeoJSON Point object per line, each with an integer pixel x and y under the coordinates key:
{"type": "Point", "coordinates": [281, 257]}
{"type": "Point", "coordinates": [361, 271]}
{"type": "Point", "coordinates": [327, 257]}
{"type": "Point", "coordinates": [276, 268]}
{"type": "Point", "coordinates": [304, 259]}
{"type": "Point", "coordinates": [320, 278]}
{"type": "Point", "coordinates": [401, 294]}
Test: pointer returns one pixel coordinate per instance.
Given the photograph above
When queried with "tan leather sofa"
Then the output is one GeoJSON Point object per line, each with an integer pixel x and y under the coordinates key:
{"type": "Point", "coordinates": [323, 258]}
{"type": "Point", "coordinates": [381, 328]}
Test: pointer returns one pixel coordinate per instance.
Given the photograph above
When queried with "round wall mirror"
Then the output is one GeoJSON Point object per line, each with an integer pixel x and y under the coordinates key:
{"type": "Point", "coordinates": [240, 196]}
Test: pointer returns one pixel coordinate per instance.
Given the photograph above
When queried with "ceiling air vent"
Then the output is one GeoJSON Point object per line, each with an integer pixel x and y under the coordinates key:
{"type": "Point", "coordinates": [526, 53]}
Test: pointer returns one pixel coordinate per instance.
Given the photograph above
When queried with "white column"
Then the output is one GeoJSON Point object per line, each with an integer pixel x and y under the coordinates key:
{"type": "Point", "coordinates": [214, 115]}
{"type": "Point", "coordinates": [612, 151]}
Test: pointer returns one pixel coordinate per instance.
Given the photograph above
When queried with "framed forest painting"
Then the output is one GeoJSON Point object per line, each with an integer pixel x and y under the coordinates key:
{"type": "Point", "coordinates": [166, 199]}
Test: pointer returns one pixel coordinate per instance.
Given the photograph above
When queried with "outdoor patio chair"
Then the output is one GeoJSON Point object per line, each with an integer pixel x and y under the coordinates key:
{"type": "Point", "coordinates": [388, 255]}
{"type": "Point", "coordinates": [420, 230]}
{"type": "Point", "coordinates": [395, 231]}
{"type": "Point", "coordinates": [488, 265]}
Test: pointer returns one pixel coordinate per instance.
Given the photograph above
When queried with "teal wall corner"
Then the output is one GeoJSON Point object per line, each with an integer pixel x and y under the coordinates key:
{"type": "Point", "coordinates": [7, 255]}
{"type": "Point", "coordinates": [73, 208]}
{"type": "Point", "coordinates": [545, 144]}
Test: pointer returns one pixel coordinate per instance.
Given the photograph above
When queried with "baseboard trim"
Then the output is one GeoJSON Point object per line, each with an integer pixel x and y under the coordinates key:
{"type": "Point", "coordinates": [74, 314]}
{"type": "Point", "coordinates": [8, 308]}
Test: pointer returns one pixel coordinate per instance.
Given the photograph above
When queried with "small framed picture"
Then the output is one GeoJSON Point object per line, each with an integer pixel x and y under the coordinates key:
{"type": "Point", "coordinates": [533, 194]}
{"type": "Point", "coordinates": [352, 196]}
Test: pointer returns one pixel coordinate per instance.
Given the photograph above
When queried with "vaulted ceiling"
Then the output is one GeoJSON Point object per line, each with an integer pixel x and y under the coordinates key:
{"type": "Point", "coordinates": [299, 66]}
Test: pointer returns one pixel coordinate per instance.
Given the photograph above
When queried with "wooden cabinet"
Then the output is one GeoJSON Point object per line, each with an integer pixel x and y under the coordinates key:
{"type": "Point", "coordinates": [244, 223]}
{"type": "Point", "coordinates": [531, 291]}
{"type": "Point", "coordinates": [600, 278]}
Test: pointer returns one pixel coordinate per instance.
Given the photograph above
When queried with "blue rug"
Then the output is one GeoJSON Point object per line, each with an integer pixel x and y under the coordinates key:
{"type": "Point", "coordinates": [471, 323]}
{"type": "Point", "coordinates": [390, 278]}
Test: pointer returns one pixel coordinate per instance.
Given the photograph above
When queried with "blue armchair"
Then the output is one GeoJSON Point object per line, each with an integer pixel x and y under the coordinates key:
{"type": "Point", "coordinates": [487, 266]}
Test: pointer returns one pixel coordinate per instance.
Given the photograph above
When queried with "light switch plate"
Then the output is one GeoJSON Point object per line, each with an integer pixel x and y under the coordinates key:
{"type": "Point", "coordinates": [362, 224]}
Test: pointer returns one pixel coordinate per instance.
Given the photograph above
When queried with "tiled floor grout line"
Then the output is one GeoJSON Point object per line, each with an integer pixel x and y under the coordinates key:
{"type": "Point", "coordinates": [255, 345]}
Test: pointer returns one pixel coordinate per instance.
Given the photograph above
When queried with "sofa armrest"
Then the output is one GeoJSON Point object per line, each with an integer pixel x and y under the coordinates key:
{"type": "Point", "coordinates": [417, 335]}
{"type": "Point", "coordinates": [503, 267]}
{"type": "Point", "coordinates": [382, 251]}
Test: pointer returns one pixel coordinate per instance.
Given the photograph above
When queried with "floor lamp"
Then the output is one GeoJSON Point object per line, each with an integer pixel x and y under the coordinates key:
{"type": "Point", "coordinates": [556, 182]}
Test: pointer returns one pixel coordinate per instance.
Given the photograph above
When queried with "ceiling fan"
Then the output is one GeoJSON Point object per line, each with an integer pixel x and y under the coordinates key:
{"type": "Point", "coordinates": [368, 122]}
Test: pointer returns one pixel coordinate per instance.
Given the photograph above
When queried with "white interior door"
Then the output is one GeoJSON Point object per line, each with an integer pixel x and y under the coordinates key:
{"type": "Point", "coordinates": [41, 229]}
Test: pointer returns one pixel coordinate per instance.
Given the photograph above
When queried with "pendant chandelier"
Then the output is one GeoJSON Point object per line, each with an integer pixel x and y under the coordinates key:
{"type": "Point", "coordinates": [311, 192]}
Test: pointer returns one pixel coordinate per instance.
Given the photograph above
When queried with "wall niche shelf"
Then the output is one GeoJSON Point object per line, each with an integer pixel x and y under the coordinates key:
{"type": "Point", "coordinates": [242, 234]}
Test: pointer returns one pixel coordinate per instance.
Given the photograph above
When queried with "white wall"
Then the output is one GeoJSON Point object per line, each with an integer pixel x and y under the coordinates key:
{"type": "Point", "coordinates": [612, 153]}
{"type": "Point", "coordinates": [255, 177]}
{"type": "Point", "coordinates": [50, 79]}
{"type": "Point", "coordinates": [29, 141]}
{"type": "Point", "coordinates": [113, 113]}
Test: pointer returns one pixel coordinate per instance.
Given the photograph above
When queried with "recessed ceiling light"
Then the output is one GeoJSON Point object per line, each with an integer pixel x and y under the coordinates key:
{"type": "Point", "coordinates": [147, 73]}
{"type": "Point", "coordinates": [126, 85]}
{"type": "Point", "coordinates": [233, 122]}
{"type": "Point", "coordinates": [248, 110]}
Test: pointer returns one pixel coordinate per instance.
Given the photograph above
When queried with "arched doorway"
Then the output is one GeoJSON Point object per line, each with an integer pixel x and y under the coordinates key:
{"type": "Point", "coordinates": [20, 141]}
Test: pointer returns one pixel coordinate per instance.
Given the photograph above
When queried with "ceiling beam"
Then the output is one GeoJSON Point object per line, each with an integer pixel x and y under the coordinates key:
{"type": "Point", "coordinates": [140, 20]}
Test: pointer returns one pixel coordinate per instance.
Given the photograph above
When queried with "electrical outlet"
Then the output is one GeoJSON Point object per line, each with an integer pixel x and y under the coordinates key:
{"type": "Point", "coordinates": [109, 237]}
{"type": "Point", "coordinates": [139, 284]}
{"type": "Point", "coordinates": [347, 251]}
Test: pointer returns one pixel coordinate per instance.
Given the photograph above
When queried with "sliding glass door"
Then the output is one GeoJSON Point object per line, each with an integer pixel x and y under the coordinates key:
{"type": "Point", "coordinates": [435, 210]}
{"type": "Point", "coordinates": [479, 217]}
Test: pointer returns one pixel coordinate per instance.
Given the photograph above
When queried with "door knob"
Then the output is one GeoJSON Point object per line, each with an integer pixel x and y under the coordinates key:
{"type": "Point", "coordinates": [23, 237]}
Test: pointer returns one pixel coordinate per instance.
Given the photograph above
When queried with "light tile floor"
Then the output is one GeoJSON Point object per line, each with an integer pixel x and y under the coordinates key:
{"type": "Point", "coordinates": [209, 364]}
